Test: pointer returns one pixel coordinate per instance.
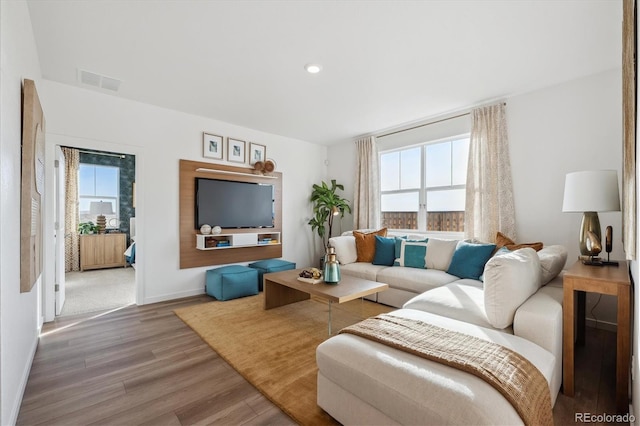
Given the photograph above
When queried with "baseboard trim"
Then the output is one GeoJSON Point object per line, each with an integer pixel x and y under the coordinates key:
{"type": "Point", "coordinates": [17, 403]}
{"type": "Point", "coordinates": [172, 296]}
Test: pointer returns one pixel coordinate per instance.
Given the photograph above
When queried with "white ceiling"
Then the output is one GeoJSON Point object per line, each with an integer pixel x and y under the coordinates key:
{"type": "Point", "coordinates": [384, 62]}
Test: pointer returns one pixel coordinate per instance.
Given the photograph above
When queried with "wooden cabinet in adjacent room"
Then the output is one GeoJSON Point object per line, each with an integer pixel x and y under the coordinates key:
{"type": "Point", "coordinates": [102, 250]}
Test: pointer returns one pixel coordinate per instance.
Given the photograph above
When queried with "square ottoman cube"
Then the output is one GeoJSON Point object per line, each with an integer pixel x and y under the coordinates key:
{"type": "Point", "coordinates": [270, 265]}
{"type": "Point", "coordinates": [231, 282]}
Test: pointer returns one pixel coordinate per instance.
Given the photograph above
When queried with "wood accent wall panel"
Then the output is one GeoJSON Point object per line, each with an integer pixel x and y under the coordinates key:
{"type": "Point", "coordinates": [190, 256]}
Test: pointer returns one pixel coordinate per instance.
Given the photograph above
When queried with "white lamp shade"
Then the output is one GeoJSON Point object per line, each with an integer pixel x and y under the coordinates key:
{"type": "Point", "coordinates": [591, 191]}
{"type": "Point", "coordinates": [100, 208]}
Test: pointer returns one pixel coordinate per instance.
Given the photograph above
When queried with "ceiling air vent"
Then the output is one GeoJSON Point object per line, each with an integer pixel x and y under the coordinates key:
{"type": "Point", "coordinates": [97, 80]}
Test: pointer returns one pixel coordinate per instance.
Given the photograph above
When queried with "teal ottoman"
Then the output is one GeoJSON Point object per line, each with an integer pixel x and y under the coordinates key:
{"type": "Point", "coordinates": [231, 282]}
{"type": "Point", "coordinates": [270, 265]}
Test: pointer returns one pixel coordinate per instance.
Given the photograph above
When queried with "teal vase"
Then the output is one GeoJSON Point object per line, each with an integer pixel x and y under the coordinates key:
{"type": "Point", "coordinates": [331, 270]}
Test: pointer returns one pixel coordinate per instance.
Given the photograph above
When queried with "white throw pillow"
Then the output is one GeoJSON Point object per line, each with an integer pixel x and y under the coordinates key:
{"type": "Point", "coordinates": [552, 260]}
{"type": "Point", "coordinates": [345, 248]}
{"type": "Point", "coordinates": [439, 253]}
{"type": "Point", "coordinates": [509, 280]}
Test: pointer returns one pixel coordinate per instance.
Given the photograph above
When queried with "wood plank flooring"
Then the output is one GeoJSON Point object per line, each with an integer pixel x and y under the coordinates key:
{"type": "Point", "coordinates": [141, 365]}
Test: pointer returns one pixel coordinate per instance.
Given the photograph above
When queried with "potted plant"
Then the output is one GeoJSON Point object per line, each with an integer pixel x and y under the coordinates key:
{"type": "Point", "coordinates": [87, 228]}
{"type": "Point", "coordinates": [327, 204]}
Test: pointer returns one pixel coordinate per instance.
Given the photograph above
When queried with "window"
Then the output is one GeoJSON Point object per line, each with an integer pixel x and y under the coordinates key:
{"type": "Point", "coordinates": [423, 187]}
{"type": "Point", "coordinates": [98, 183]}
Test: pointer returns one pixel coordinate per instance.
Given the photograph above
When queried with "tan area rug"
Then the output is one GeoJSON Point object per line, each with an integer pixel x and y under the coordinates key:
{"type": "Point", "coordinates": [275, 350]}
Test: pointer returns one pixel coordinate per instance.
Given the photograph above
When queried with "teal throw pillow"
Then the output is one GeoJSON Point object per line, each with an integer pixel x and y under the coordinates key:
{"type": "Point", "coordinates": [469, 259]}
{"type": "Point", "coordinates": [385, 251]}
{"type": "Point", "coordinates": [413, 254]}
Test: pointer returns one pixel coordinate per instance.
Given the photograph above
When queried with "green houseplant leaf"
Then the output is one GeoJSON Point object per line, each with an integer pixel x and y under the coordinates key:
{"type": "Point", "coordinates": [325, 200]}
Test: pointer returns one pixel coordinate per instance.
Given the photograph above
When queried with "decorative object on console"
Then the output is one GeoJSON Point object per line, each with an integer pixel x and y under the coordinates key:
{"type": "Point", "coordinates": [269, 166]}
{"type": "Point", "coordinates": [609, 246]}
{"type": "Point", "coordinates": [591, 192]}
{"type": "Point", "coordinates": [216, 230]}
{"type": "Point", "coordinates": [257, 153]}
{"type": "Point", "coordinates": [100, 208]}
{"type": "Point", "coordinates": [236, 150]}
{"type": "Point", "coordinates": [205, 229]}
{"type": "Point", "coordinates": [212, 146]}
{"type": "Point", "coordinates": [331, 267]}
{"type": "Point", "coordinates": [326, 205]}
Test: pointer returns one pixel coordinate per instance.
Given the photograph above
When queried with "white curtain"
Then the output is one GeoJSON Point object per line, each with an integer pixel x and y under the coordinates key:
{"type": "Point", "coordinates": [366, 203]}
{"type": "Point", "coordinates": [489, 199]}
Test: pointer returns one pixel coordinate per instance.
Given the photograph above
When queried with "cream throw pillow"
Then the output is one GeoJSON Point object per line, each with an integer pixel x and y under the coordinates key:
{"type": "Point", "coordinates": [439, 253]}
{"type": "Point", "coordinates": [345, 248]}
{"type": "Point", "coordinates": [552, 260]}
{"type": "Point", "coordinates": [509, 280]}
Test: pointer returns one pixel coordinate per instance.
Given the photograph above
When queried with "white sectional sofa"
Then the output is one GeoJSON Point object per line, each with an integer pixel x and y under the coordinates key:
{"type": "Point", "coordinates": [517, 303]}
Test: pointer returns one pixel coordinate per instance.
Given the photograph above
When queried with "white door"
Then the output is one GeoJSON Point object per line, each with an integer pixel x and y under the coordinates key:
{"type": "Point", "coordinates": [59, 228]}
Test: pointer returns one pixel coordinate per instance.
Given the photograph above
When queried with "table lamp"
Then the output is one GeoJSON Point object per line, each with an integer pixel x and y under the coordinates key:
{"type": "Point", "coordinates": [100, 208]}
{"type": "Point", "coordinates": [590, 192]}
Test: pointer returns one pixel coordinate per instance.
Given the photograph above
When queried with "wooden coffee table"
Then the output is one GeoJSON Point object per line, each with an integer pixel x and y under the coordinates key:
{"type": "Point", "coordinates": [283, 288]}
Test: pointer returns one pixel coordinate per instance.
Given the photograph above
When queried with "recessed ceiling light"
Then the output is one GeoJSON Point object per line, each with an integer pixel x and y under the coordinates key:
{"type": "Point", "coordinates": [313, 68]}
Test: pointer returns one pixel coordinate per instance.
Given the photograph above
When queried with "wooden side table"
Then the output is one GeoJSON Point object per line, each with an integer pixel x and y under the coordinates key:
{"type": "Point", "coordinates": [604, 280]}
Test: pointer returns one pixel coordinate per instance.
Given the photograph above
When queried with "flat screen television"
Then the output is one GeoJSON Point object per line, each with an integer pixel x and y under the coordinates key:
{"type": "Point", "coordinates": [231, 204]}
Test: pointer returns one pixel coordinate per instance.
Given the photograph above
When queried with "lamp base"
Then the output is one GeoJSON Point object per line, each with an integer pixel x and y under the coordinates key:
{"type": "Point", "coordinates": [101, 221]}
{"type": "Point", "coordinates": [590, 235]}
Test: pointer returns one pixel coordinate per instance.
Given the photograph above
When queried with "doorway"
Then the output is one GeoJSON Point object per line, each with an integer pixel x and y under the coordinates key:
{"type": "Point", "coordinates": [95, 207]}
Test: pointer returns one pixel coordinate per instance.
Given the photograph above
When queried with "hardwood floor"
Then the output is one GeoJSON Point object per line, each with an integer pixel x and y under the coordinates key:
{"type": "Point", "coordinates": [138, 365]}
{"type": "Point", "coordinates": [144, 366]}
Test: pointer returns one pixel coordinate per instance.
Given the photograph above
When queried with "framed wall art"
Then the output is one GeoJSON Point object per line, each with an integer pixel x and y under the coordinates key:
{"type": "Point", "coordinates": [236, 150]}
{"type": "Point", "coordinates": [212, 146]}
{"type": "Point", "coordinates": [32, 187]}
{"type": "Point", "coordinates": [257, 153]}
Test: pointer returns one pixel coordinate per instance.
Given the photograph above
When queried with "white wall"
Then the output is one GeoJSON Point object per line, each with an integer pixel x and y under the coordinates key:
{"type": "Point", "coordinates": [19, 312]}
{"type": "Point", "coordinates": [553, 131]}
{"type": "Point", "coordinates": [565, 128]}
{"type": "Point", "coordinates": [159, 138]}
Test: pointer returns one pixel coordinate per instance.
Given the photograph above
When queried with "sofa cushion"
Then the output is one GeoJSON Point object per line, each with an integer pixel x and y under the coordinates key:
{"type": "Point", "coordinates": [399, 241]}
{"type": "Point", "coordinates": [462, 300]}
{"type": "Point", "coordinates": [439, 253]}
{"type": "Point", "coordinates": [552, 260]}
{"type": "Point", "coordinates": [413, 254]}
{"type": "Point", "coordinates": [509, 280]}
{"type": "Point", "coordinates": [364, 270]}
{"type": "Point", "coordinates": [504, 241]}
{"type": "Point", "coordinates": [385, 251]}
{"type": "Point", "coordinates": [366, 244]}
{"type": "Point", "coordinates": [469, 259]}
{"type": "Point", "coordinates": [413, 279]}
{"type": "Point", "coordinates": [345, 248]}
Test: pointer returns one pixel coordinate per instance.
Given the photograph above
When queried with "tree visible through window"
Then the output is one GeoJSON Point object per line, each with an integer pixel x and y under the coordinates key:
{"type": "Point", "coordinates": [423, 187]}
{"type": "Point", "coordinates": [98, 183]}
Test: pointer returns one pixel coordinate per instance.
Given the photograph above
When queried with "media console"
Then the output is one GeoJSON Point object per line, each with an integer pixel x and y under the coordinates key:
{"type": "Point", "coordinates": [244, 244]}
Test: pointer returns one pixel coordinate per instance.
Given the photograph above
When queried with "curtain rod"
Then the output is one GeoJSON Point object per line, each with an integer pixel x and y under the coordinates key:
{"type": "Point", "coordinates": [102, 153]}
{"type": "Point", "coordinates": [426, 124]}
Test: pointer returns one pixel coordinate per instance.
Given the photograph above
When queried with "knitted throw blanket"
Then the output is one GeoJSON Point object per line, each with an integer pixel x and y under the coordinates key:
{"type": "Point", "coordinates": [514, 376]}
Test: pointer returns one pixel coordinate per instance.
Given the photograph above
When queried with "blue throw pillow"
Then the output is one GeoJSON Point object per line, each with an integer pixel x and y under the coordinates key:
{"type": "Point", "coordinates": [469, 259]}
{"type": "Point", "coordinates": [385, 251]}
{"type": "Point", "coordinates": [413, 254]}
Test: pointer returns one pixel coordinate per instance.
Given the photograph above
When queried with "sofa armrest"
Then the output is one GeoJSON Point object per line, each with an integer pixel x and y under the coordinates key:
{"type": "Point", "coordinates": [539, 319]}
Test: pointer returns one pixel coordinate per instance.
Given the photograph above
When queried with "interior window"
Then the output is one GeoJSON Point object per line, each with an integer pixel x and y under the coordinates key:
{"type": "Point", "coordinates": [423, 187]}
